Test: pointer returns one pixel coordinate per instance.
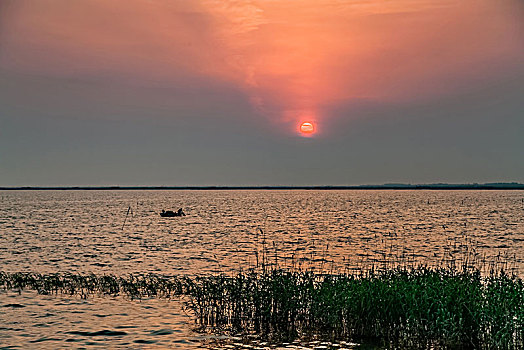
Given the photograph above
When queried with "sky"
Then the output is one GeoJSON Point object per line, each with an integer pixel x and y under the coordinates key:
{"type": "Point", "coordinates": [213, 92]}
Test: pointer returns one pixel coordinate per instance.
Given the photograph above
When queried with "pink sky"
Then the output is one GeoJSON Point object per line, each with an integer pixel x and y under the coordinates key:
{"type": "Point", "coordinates": [292, 59]}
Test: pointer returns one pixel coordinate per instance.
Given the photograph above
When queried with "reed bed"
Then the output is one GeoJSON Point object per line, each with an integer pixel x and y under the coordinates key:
{"type": "Point", "coordinates": [133, 286]}
{"type": "Point", "coordinates": [419, 307]}
{"type": "Point", "coordinates": [461, 301]}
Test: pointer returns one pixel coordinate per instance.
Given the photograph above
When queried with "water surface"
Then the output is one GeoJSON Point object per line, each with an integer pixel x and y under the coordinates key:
{"type": "Point", "coordinates": [121, 232]}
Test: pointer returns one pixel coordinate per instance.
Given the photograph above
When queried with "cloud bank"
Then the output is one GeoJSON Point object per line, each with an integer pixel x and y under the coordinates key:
{"type": "Point", "coordinates": [293, 60]}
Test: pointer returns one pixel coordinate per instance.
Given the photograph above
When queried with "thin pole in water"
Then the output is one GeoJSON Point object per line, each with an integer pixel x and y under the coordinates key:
{"type": "Point", "coordinates": [128, 210]}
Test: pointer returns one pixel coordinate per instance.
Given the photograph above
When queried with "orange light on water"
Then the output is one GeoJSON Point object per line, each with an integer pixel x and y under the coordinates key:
{"type": "Point", "coordinates": [307, 128]}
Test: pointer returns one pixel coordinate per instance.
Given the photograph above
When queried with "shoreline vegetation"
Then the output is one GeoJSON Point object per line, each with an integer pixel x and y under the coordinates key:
{"type": "Point", "coordinates": [461, 300]}
{"type": "Point", "coordinates": [394, 186]}
{"type": "Point", "coordinates": [398, 307]}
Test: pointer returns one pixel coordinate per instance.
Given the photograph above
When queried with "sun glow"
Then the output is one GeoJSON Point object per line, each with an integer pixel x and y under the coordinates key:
{"type": "Point", "coordinates": [307, 128]}
{"type": "Point", "coordinates": [296, 62]}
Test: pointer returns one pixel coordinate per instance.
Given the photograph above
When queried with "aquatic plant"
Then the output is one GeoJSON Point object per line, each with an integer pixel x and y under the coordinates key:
{"type": "Point", "coordinates": [463, 301]}
{"type": "Point", "coordinates": [421, 307]}
{"type": "Point", "coordinates": [400, 307]}
{"type": "Point", "coordinates": [132, 286]}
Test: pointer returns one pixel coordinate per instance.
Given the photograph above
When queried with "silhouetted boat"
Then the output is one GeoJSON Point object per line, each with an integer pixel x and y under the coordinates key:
{"type": "Point", "coordinates": [170, 213]}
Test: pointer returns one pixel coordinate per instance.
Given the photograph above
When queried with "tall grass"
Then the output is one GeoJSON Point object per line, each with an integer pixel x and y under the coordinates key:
{"type": "Point", "coordinates": [463, 301]}
{"type": "Point", "coordinates": [421, 307]}
{"type": "Point", "coordinates": [132, 286]}
{"type": "Point", "coordinates": [402, 307]}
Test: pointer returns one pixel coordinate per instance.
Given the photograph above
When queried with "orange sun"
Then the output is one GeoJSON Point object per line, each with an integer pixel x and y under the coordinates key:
{"type": "Point", "coordinates": [307, 128]}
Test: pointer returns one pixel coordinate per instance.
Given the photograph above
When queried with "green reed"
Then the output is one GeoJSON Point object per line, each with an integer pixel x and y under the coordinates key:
{"type": "Point", "coordinates": [420, 307]}
{"type": "Point", "coordinates": [464, 300]}
{"type": "Point", "coordinates": [132, 286]}
{"type": "Point", "coordinates": [401, 307]}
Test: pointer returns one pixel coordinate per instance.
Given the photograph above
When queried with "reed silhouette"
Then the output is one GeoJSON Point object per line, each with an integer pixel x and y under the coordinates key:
{"type": "Point", "coordinates": [393, 301]}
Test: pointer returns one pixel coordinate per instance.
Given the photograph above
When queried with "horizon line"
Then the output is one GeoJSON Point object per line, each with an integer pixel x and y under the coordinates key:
{"type": "Point", "coordinates": [395, 186]}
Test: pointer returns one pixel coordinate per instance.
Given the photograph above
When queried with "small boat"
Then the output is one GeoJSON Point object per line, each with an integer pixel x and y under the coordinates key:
{"type": "Point", "coordinates": [170, 213]}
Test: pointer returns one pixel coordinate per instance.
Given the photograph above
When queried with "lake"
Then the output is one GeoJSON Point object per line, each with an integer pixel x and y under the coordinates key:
{"type": "Point", "coordinates": [121, 232]}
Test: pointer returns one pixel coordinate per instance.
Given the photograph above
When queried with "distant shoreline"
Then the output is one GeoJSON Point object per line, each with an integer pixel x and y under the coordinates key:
{"type": "Point", "coordinates": [486, 186]}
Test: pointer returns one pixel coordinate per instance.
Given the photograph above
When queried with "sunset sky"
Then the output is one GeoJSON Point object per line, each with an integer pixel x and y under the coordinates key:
{"type": "Point", "coordinates": [213, 92]}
